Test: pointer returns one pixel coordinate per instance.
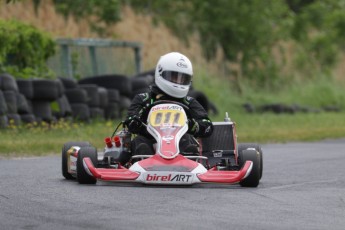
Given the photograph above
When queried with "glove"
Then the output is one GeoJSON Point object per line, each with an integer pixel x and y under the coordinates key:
{"type": "Point", "coordinates": [193, 126]}
{"type": "Point", "coordinates": [133, 123]}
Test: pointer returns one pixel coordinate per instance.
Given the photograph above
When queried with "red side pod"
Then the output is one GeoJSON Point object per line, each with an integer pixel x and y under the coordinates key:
{"type": "Point", "coordinates": [106, 174]}
{"type": "Point", "coordinates": [229, 177]}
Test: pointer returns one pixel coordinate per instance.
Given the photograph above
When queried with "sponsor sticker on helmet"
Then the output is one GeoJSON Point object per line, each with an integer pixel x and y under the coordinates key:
{"type": "Point", "coordinates": [182, 65]}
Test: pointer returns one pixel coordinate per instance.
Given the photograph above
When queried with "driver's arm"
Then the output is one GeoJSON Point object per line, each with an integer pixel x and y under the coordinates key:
{"type": "Point", "coordinates": [137, 111]}
{"type": "Point", "coordinates": [200, 124]}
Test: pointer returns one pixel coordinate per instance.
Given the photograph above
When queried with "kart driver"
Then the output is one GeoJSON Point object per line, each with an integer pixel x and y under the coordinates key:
{"type": "Point", "coordinates": [173, 77]}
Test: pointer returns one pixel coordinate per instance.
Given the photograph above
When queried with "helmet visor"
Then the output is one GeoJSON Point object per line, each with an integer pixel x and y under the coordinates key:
{"type": "Point", "coordinates": [177, 77]}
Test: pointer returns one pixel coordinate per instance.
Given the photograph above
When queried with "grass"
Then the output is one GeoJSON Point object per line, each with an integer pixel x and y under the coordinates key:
{"type": "Point", "coordinates": [270, 128]}
{"type": "Point", "coordinates": [261, 128]}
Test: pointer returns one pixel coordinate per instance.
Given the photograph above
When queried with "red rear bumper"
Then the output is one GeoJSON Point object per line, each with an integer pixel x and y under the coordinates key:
{"type": "Point", "coordinates": [122, 174]}
{"type": "Point", "coordinates": [229, 177]}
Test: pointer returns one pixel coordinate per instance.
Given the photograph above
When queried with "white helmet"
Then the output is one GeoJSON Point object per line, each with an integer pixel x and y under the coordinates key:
{"type": "Point", "coordinates": [174, 74]}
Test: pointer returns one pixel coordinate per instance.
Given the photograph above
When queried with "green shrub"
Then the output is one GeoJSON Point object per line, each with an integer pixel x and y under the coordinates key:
{"type": "Point", "coordinates": [24, 49]}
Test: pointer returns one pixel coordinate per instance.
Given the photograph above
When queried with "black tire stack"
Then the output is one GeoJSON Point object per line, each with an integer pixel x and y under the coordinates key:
{"type": "Point", "coordinates": [45, 92]}
{"type": "Point", "coordinates": [98, 97]}
{"type": "Point", "coordinates": [9, 95]}
{"type": "Point", "coordinates": [26, 90]}
{"type": "Point", "coordinates": [93, 100]}
{"type": "Point", "coordinates": [77, 98]}
{"type": "Point", "coordinates": [112, 111]}
{"type": "Point", "coordinates": [103, 100]}
{"type": "Point", "coordinates": [141, 82]}
{"type": "Point", "coordinates": [116, 107]}
{"type": "Point", "coordinates": [63, 110]}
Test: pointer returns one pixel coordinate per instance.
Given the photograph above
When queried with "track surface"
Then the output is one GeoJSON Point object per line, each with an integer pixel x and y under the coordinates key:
{"type": "Point", "coordinates": [303, 187]}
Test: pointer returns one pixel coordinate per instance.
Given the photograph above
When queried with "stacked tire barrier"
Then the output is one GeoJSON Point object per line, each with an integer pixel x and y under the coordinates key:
{"type": "Point", "coordinates": [98, 97]}
{"type": "Point", "coordinates": [24, 100]}
{"type": "Point", "coordinates": [112, 82]}
{"type": "Point", "coordinates": [63, 110]}
{"type": "Point", "coordinates": [112, 110]}
{"type": "Point", "coordinates": [45, 92]}
{"type": "Point", "coordinates": [77, 98]}
{"type": "Point", "coordinates": [93, 100]}
{"type": "Point", "coordinates": [12, 102]}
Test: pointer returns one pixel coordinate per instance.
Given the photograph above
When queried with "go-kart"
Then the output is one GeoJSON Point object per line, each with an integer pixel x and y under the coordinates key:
{"type": "Point", "coordinates": [218, 160]}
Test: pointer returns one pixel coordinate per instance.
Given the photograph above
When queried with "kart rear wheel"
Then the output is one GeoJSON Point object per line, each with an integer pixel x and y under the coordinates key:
{"type": "Point", "coordinates": [82, 176]}
{"type": "Point", "coordinates": [252, 180]}
{"type": "Point", "coordinates": [244, 146]}
{"type": "Point", "coordinates": [64, 156]}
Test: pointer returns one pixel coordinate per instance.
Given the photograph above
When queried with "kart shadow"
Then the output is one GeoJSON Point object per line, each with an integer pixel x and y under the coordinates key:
{"type": "Point", "coordinates": [155, 186]}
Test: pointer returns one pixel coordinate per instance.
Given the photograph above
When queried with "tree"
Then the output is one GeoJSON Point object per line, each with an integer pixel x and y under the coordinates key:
{"type": "Point", "coordinates": [245, 30]}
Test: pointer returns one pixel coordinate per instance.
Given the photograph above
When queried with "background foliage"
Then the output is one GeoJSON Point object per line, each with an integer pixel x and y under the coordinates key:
{"type": "Point", "coordinates": [99, 14]}
{"type": "Point", "coordinates": [24, 49]}
{"type": "Point", "coordinates": [248, 32]}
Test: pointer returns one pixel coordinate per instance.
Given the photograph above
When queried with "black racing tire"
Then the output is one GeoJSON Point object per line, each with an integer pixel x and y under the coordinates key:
{"type": "Point", "coordinates": [97, 113]}
{"type": "Point", "coordinates": [139, 83]}
{"type": "Point", "coordinates": [42, 110]}
{"type": "Point", "coordinates": [60, 88]}
{"type": "Point", "coordinates": [243, 146]}
{"type": "Point", "coordinates": [11, 101]}
{"type": "Point", "coordinates": [3, 104]}
{"type": "Point", "coordinates": [76, 95]}
{"type": "Point", "coordinates": [64, 159]}
{"type": "Point", "coordinates": [28, 118]}
{"type": "Point", "coordinates": [112, 111]}
{"type": "Point", "coordinates": [68, 83]}
{"type": "Point", "coordinates": [3, 121]}
{"type": "Point", "coordinates": [92, 94]}
{"type": "Point", "coordinates": [64, 107]}
{"type": "Point", "coordinates": [200, 97]}
{"type": "Point", "coordinates": [45, 89]}
{"type": "Point", "coordinates": [22, 104]}
{"type": "Point", "coordinates": [125, 102]}
{"type": "Point", "coordinates": [67, 105]}
{"type": "Point", "coordinates": [82, 176]}
{"type": "Point", "coordinates": [103, 97]}
{"type": "Point", "coordinates": [26, 87]}
{"type": "Point", "coordinates": [148, 73]}
{"type": "Point", "coordinates": [81, 112]}
{"type": "Point", "coordinates": [14, 119]}
{"type": "Point", "coordinates": [111, 81]}
{"type": "Point", "coordinates": [212, 108]}
{"type": "Point", "coordinates": [253, 179]}
{"type": "Point", "coordinates": [113, 95]}
{"type": "Point", "coordinates": [8, 83]}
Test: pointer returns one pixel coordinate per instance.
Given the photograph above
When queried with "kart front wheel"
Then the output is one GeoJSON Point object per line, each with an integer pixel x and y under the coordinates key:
{"type": "Point", "coordinates": [82, 176]}
{"type": "Point", "coordinates": [244, 146]}
{"type": "Point", "coordinates": [65, 156]}
{"type": "Point", "coordinates": [252, 180]}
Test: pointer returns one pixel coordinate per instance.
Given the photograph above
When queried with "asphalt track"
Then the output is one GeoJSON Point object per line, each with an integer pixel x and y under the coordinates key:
{"type": "Point", "coordinates": [303, 187]}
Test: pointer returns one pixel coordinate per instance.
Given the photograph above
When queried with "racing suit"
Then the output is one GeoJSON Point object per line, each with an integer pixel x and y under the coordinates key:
{"type": "Point", "coordinates": [198, 121]}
